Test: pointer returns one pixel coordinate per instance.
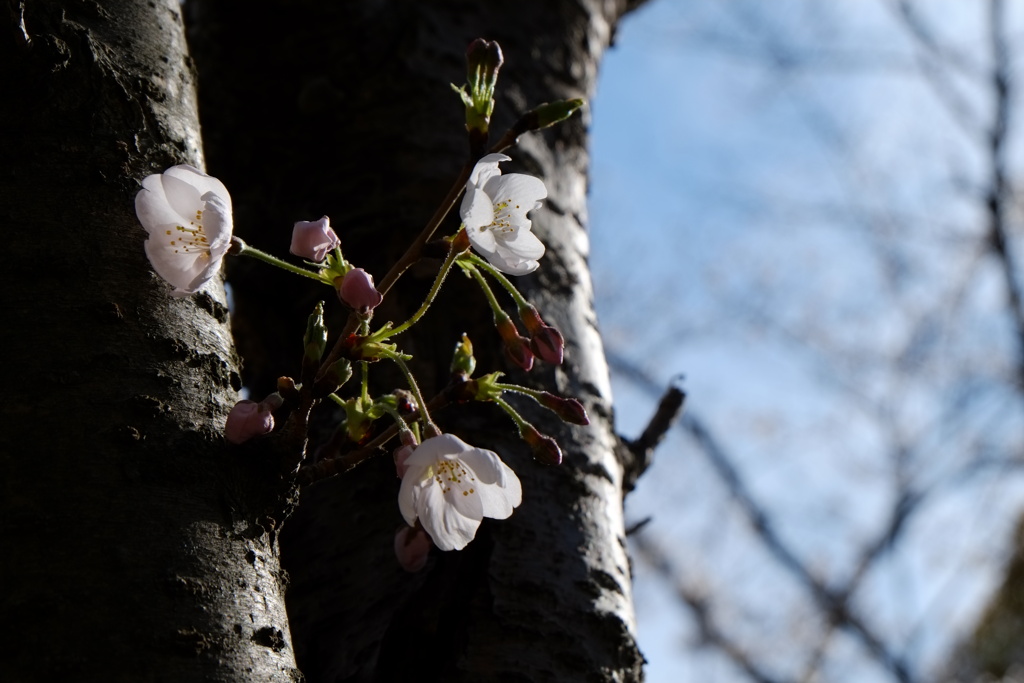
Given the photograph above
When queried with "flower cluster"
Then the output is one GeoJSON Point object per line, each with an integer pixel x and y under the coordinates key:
{"type": "Point", "coordinates": [448, 487]}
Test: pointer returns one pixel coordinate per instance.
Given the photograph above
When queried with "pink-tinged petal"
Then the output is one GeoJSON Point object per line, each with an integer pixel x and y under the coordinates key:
{"type": "Point", "coordinates": [401, 456]}
{"type": "Point", "coordinates": [406, 503]}
{"type": "Point", "coordinates": [217, 221]}
{"type": "Point", "coordinates": [312, 240]}
{"type": "Point", "coordinates": [199, 180]}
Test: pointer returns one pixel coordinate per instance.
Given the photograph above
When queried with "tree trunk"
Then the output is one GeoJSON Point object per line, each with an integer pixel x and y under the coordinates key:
{"type": "Point", "coordinates": [135, 547]}
{"type": "Point", "coordinates": [345, 109]}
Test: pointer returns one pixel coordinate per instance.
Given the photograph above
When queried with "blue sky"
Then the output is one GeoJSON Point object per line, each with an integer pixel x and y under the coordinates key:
{"type": "Point", "coordinates": [802, 242]}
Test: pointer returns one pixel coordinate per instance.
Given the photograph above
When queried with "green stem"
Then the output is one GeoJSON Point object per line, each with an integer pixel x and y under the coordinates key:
{"type": "Point", "coordinates": [488, 292]}
{"type": "Point", "coordinates": [500, 277]}
{"type": "Point", "coordinates": [515, 388]}
{"type": "Point", "coordinates": [284, 265]}
{"type": "Point", "coordinates": [364, 370]}
{"type": "Point", "coordinates": [516, 417]}
{"type": "Point", "coordinates": [413, 386]}
{"type": "Point", "coordinates": [387, 333]}
{"type": "Point", "coordinates": [337, 399]}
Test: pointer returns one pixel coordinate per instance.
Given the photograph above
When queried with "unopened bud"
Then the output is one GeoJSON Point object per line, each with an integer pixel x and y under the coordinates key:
{"type": "Point", "coordinates": [548, 344]}
{"type": "Point", "coordinates": [569, 409]}
{"type": "Point", "coordinates": [337, 373]}
{"type": "Point", "coordinates": [463, 362]}
{"type": "Point", "coordinates": [357, 291]}
{"type": "Point", "coordinates": [545, 449]}
{"type": "Point", "coordinates": [549, 114]}
{"type": "Point", "coordinates": [517, 347]}
{"type": "Point", "coordinates": [287, 387]}
{"type": "Point", "coordinates": [483, 61]}
{"type": "Point", "coordinates": [312, 240]}
{"type": "Point", "coordinates": [315, 339]}
{"type": "Point", "coordinates": [246, 420]}
{"type": "Point", "coordinates": [412, 548]}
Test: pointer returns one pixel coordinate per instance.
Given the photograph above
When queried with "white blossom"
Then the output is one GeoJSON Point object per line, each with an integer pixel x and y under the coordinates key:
{"type": "Point", "coordinates": [450, 486]}
{"type": "Point", "coordinates": [494, 213]}
{"type": "Point", "coordinates": [188, 217]}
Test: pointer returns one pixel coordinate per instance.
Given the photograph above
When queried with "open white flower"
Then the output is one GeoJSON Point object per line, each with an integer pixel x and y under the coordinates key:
{"type": "Point", "coordinates": [188, 217]}
{"type": "Point", "coordinates": [451, 486]}
{"type": "Point", "coordinates": [494, 212]}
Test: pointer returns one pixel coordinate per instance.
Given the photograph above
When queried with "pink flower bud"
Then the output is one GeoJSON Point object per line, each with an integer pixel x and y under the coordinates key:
{"type": "Point", "coordinates": [548, 344]}
{"type": "Point", "coordinates": [313, 239]}
{"type": "Point", "coordinates": [412, 548]}
{"type": "Point", "coordinates": [357, 291]}
{"type": "Point", "coordinates": [246, 420]}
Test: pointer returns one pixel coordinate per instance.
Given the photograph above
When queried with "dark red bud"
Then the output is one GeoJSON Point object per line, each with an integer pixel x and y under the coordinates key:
{"type": "Point", "coordinates": [545, 449]}
{"type": "Point", "coordinates": [547, 343]}
{"type": "Point", "coordinates": [520, 354]}
{"type": "Point", "coordinates": [569, 409]}
{"type": "Point", "coordinates": [531, 318]}
{"type": "Point", "coordinates": [517, 347]}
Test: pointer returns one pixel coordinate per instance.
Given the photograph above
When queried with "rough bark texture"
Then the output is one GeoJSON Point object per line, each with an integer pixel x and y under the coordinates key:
{"type": "Point", "coordinates": [134, 546]}
{"type": "Point", "coordinates": [344, 109]}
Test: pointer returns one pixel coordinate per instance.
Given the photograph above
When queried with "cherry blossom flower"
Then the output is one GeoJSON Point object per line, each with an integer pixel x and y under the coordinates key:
{"type": "Point", "coordinates": [188, 217]}
{"type": "Point", "coordinates": [312, 240]}
{"type": "Point", "coordinates": [450, 486]}
{"type": "Point", "coordinates": [494, 213]}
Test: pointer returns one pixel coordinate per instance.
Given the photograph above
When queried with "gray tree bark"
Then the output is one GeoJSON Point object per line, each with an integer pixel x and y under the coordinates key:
{"type": "Point", "coordinates": [138, 547]}
{"type": "Point", "coordinates": [347, 111]}
{"type": "Point", "coordinates": [135, 546]}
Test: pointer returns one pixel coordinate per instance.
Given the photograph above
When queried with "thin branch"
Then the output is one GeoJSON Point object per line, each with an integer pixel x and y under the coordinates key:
{"type": "Point", "coordinates": [698, 604]}
{"type": "Point", "coordinates": [833, 604]}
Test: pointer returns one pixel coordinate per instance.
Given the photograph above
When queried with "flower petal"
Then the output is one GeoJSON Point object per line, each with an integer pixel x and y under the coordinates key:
{"type": "Point", "coordinates": [200, 181]}
{"type": "Point", "coordinates": [217, 221]}
{"type": "Point", "coordinates": [477, 210]}
{"type": "Point", "coordinates": [446, 524]}
{"type": "Point", "coordinates": [522, 192]}
{"type": "Point", "coordinates": [486, 169]}
{"type": "Point", "coordinates": [524, 244]}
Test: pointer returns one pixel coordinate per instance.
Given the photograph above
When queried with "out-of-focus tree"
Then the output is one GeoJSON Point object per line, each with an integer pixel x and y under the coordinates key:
{"type": "Point", "coordinates": [854, 467]}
